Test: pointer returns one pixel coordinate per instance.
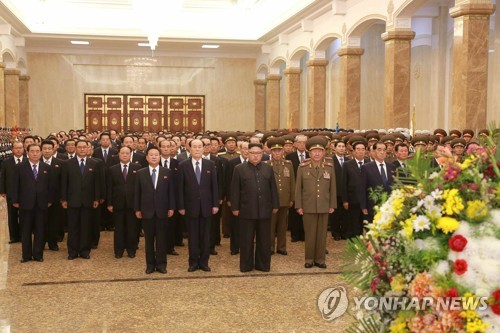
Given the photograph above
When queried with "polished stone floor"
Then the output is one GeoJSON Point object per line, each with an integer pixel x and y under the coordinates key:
{"type": "Point", "coordinates": [105, 294]}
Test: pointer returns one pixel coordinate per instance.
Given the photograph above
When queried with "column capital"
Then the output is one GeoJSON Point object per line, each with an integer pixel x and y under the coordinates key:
{"type": "Point", "coordinates": [24, 77]}
{"type": "Point", "coordinates": [350, 50]}
{"type": "Point", "coordinates": [292, 70]}
{"type": "Point", "coordinates": [12, 71]}
{"type": "Point", "coordinates": [475, 9]}
{"type": "Point", "coordinates": [406, 35]}
{"type": "Point", "coordinates": [259, 82]}
{"type": "Point", "coordinates": [272, 77]}
{"type": "Point", "coordinates": [317, 63]}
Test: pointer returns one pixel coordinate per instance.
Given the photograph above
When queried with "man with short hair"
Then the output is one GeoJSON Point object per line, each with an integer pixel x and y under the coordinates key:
{"type": "Point", "coordinates": [401, 153]}
{"type": "Point", "coordinates": [71, 148]}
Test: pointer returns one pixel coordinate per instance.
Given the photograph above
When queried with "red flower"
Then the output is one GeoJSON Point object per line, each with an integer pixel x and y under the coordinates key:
{"type": "Point", "coordinates": [457, 243]}
{"type": "Point", "coordinates": [460, 266]}
{"type": "Point", "coordinates": [452, 292]}
{"type": "Point", "coordinates": [496, 295]}
{"type": "Point", "coordinates": [496, 309]}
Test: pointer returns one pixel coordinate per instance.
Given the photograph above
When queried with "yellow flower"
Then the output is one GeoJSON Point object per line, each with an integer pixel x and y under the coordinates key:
{"type": "Point", "coordinates": [447, 224]}
{"type": "Point", "coordinates": [467, 163]}
{"type": "Point", "coordinates": [408, 227]}
{"type": "Point", "coordinates": [398, 282]}
{"type": "Point", "coordinates": [397, 205]}
{"type": "Point", "coordinates": [453, 203]}
{"type": "Point", "coordinates": [476, 209]}
{"type": "Point", "coordinates": [398, 326]}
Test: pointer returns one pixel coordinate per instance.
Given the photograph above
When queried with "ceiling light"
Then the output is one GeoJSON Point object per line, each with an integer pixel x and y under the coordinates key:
{"type": "Point", "coordinates": [210, 46]}
{"type": "Point", "coordinates": [143, 44]}
{"type": "Point", "coordinates": [80, 42]}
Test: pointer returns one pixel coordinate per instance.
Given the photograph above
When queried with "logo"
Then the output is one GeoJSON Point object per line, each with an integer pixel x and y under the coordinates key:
{"type": "Point", "coordinates": [332, 303]}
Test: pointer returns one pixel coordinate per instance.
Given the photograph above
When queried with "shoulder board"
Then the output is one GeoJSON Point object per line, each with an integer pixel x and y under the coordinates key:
{"type": "Point", "coordinates": [305, 163]}
{"type": "Point", "coordinates": [267, 162]}
{"type": "Point", "coordinates": [329, 158]}
{"type": "Point", "coordinates": [329, 164]}
{"type": "Point", "coordinates": [221, 153]}
{"type": "Point", "coordinates": [287, 161]}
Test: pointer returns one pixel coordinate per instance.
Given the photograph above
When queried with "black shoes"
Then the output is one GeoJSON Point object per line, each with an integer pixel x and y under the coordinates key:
{"type": "Point", "coordinates": [233, 253]}
{"type": "Point", "coordinates": [38, 259]}
{"type": "Point", "coordinates": [118, 256]}
{"type": "Point", "coordinates": [14, 241]}
{"type": "Point", "coordinates": [54, 247]}
{"type": "Point", "coordinates": [149, 270]}
{"type": "Point", "coordinates": [173, 253]}
{"type": "Point", "coordinates": [337, 238]}
{"type": "Point", "coordinates": [72, 257]}
{"type": "Point", "coordinates": [226, 236]}
{"type": "Point", "coordinates": [131, 255]}
{"type": "Point", "coordinates": [161, 270]}
{"type": "Point", "coordinates": [205, 268]}
{"type": "Point", "coordinates": [25, 260]}
{"type": "Point", "coordinates": [192, 268]}
{"type": "Point", "coordinates": [308, 265]}
{"type": "Point", "coordinates": [86, 256]}
{"type": "Point", "coordinates": [213, 252]}
{"type": "Point", "coordinates": [283, 253]}
{"type": "Point", "coordinates": [323, 265]}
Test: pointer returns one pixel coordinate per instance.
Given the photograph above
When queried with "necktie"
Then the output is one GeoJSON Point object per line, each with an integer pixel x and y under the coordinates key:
{"type": "Point", "coordinates": [82, 166]}
{"type": "Point", "coordinates": [197, 171]}
{"type": "Point", "coordinates": [301, 157]}
{"type": "Point", "coordinates": [404, 165]}
{"type": "Point", "coordinates": [360, 164]}
{"type": "Point", "coordinates": [35, 173]}
{"type": "Point", "coordinates": [166, 163]}
{"type": "Point", "coordinates": [153, 178]}
{"type": "Point", "coordinates": [125, 172]}
{"type": "Point", "coordinates": [70, 156]}
{"type": "Point", "coordinates": [105, 155]}
{"type": "Point", "coordinates": [341, 161]}
{"type": "Point", "coordinates": [382, 173]}
{"type": "Point", "coordinates": [47, 162]}
{"type": "Point", "coordinates": [18, 160]}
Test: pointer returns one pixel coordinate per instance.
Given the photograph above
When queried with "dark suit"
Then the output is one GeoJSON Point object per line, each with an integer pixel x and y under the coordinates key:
{"type": "Point", "coordinates": [339, 219]}
{"type": "Point", "coordinates": [60, 156]}
{"type": "Point", "coordinates": [154, 204]}
{"type": "Point", "coordinates": [120, 195]}
{"type": "Point", "coordinates": [295, 220]}
{"type": "Point", "coordinates": [139, 158]}
{"type": "Point", "coordinates": [175, 223]}
{"type": "Point", "coordinates": [351, 193]}
{"type": "Point", "coordinates": [371, 179]}
{"type": "Point", "coordinates": [234, 241]}
{"type": "Point", "coordinates": [80, 191]}
{"type": "Point", "coordinates": [33, 196]}
{"type": "Point", "coordinates": [216, 219]}
{"type": "Point", "coordinates": [6, 187]}
{"type": "Point", "coordinates": [56, 215]}
{"type": "Point", "coordinates": [103, 217]}
{"type": "Point", "coordinates": [198, 200]}
{"type": "Point", "coordinates": [254, 195]}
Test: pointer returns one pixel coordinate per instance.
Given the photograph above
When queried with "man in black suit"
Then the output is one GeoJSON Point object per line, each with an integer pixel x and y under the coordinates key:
{"type": "Point", "coordinates": [401, 168]}
{"type": "Point", "coordinates": [254, 198]}
{"type": "Point", "coordinates": [32, 195]}
{"type": "Point", "coordinates": [297, 157]}
{"type": "Point", "coordinates": [135, 157]}
{"type": "Point", "coordinates": [56, 153]}
{"type": "Point", "coordinates": [120, 199]}
{"type": "Point", "coordinates": [198, 201]}
{"type": "Point", "coordinates": [234, 241]}
{"type": "Point", "coordinates": [154, 203]}
{"type": "Point", "coordinates": [338, 220]}
{"type": "Point", "coordinates": [55, 214]}
{"type": "Point", "coordinates": [351, 190]}
{"type": "Point", "coordinates": [114, 140]}
{"type": "Point", "coordinates": [174, 225]}
{"type": "Point", "coordinates": [6, 188]}
{"type": "Point", "coordinates": [185, 154]}
{"type": "Point", "coordinates": [374, 175]}
{"type": "Point", "coordinates": [71, 148]}
{"type": "Point", "coordinates": [80, 194]}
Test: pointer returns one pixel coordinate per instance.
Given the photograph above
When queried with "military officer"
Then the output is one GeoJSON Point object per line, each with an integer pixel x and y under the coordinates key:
{"type": "Point", "coordinates": [458, 149]}
{"type": "Point", "coordinates": [315, 198]}
{"type": "Point", "coordinates": [285, 182]}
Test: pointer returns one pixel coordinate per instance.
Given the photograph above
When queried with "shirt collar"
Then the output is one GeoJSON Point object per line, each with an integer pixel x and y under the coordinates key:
{"type": "Point", "coordinates": [49, 161]}
{"type": "Point", "coordinates": [34, 164]}
{"type": "Point", "coordinates": [80, 159]}
{"type": "Point", "coordinates": [127, 164]}
{"type": "Point", "coordinates": [151, 169]}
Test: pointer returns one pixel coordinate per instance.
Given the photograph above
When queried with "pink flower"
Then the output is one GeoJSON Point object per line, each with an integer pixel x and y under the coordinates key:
{"type": "Point", "coordinates": [373, 285]}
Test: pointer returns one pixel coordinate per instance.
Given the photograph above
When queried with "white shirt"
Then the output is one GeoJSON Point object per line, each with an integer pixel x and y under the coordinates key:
{"type": "Point", "coordinates": [243, 160]}
{"type": "Point", "coordinates": [194, 164]}
{"type": "Point", "coordinates": [49, 161]}
{"type": "Point", "coordinates": [341, 159]}
{"type": "Point", "coordinates": [163, 162]}
{"type": "Point", "coordinates": [151, 174]}
{"type": "Point", "coordinates": [206, 157]}
{"type": "Point", "coordinates": [357, 162]}
{"type": "Point", "coordinates": [20, 158]}
{"type": "Point", "coordinates": [303, 153]}
{"type": "Point", "coordinates": [105, 150]}
{"type": "Point", "coordinates": [123, 166]}
{"type": "Point", "coordinates": [402, 162]}
{"type": "Point", "coordinates": [378, 166]}
{"type": "Point", "coordinates": [37, 166]}
{"type": "Point", "coordinates": [55, 155]}
{"type": "Point", "coordinates": [79, 159]}
{"type": "Point", "coordinates": [70, 156]}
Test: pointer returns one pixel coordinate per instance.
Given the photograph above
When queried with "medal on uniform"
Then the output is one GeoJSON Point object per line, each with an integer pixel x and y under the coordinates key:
{"type": "Point", "coordinates": [286, 172]}
{"type": "Point", "coordinates": [326, 175]}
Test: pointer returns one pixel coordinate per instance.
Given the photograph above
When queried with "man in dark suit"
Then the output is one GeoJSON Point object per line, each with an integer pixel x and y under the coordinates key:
{"type": "Point", "coordinates": [135, 157]}
{"type": "Point", "coordinates": [120, 199]}
{"type": "Point", "coordinates": [80, 194]}
{"type": "Point", "coordinates": [185, 154]}
{"type": "Point", "coordinates": [56, 153]}
{"type": "Point", "coordinates": [351, 189]}
{"type": "Point", "coordinates": [254, 198]}
{"type": "Point", "coordinates": [198, 201]}
{"type": "Point", "coordinates": [32, 194]}
{"type": "Point", "coordinates": [154, 203]}
{"type": "Point", "coordinates": [234, 241]}
{"type": "Point", "coordinates": [294, 219]}
{"type": "Point", "coordinates": [338, 220]}
{"type": "Point", "coordinates": [401, 168]}
{"type": "Point", "coordinates": [55, 214]}
{"type": "Point", "coordinates": [6, 188]}
{"type": "Point", "coordinates": [376, 174]}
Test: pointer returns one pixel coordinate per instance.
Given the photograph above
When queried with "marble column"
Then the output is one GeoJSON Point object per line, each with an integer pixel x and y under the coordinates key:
{"type": "Point", "coordinates": [260, 104]}
{"type": "Point", "coordinates": [397, 72]}
{"type": "Point", "coordinates": [12, 97]}
{"type": "Point", "coordinates": [350, 87]}
{"type": "Point", "coordinates": [316, 93]}
{"type": "Point", "coordinates": [273, 101]}
{"type": "Point", "coordinates": [470, 63]}
{"type": "Point", "coordinates": [292, 97]}
{"type": "Point", "coordinates": [24, 101]}
{"type": "Point", "coordinates": [2, 95]}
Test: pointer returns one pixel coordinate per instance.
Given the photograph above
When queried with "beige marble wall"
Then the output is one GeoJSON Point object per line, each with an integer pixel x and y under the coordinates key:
{"type": "Point", "coordinates": [422, 86]}
{"type": "Point", "coordinates": [334, 88]}
{"type": "Point", "coordinates": [2, 95]}
{"type": "Point", "coordinates": [292, 97]}
{"type": "Point", "coordinates": [59, 82]}
{"type": "Point", "coordinates": [372, 78]}
{"type": "Point", "coordinates": [350, 92]}
{"type": "Point", "coordinates": [273, 101]}
{"type": "Point", "coordinates": [316, 97]}
{"type": "Point", "coordinates": [24, 101]}
{"type": "Point", "coordinates": [260, 104]}
{"type": "Point", "coordinates": [12, 97]}
{"type": "Point", "coordinates": [493, 110]}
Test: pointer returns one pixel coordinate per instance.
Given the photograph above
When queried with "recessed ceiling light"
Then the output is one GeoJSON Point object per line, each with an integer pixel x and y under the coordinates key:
{"type": "Point", "coordinates": [80, 42]}
{"type": "Point", "coordinates": [143, 44]}
{"type": "Point", "coordinates": [210, 46]}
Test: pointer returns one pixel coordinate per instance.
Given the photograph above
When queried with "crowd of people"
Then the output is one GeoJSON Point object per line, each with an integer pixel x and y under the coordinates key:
{"type": "Point", "coordinates": [250, 187]}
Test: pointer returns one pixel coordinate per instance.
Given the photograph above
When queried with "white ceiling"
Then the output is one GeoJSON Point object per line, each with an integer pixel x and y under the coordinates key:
{"type": "Point", "coordinates": [237, 25]}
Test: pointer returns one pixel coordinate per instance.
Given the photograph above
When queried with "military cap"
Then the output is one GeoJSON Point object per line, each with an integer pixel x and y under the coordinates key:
{"type": "Point", "coordinates": [275, 143]}
{"type": "Point", "coordinates": [229, 137]}
{"type": "Point", "coordinates": [388, 139]}
{"type": "Point", "coordinates": [441, 132]}
{"type": "Point", "coordinates": [288, 138]}
{"type": "Point", "coordinates": [420, 140]}
{"type": "Point", "coordinates": [447, 139]}
{"type": "Point", "coordinates": [468, 132]}
{"type": "Point", "coordinates": [458, 142]}
{"type": "Point", "coordinates": [269, 135]}
{"type": "Point", "coordinates": [326, 134]}
{"type": "Point", "coordinates": [372, 136]}
{"type": "Point", "coordinates": [336, 137]}
{"type": "Point", "coordinates": [316, 142]}
{"type": "Point", "coordinates": [434, 138]}
{"type": "Point", "coordinates": [455, 133]}
{"type": "Point", "coordinates": [398, 137]}
{"type": "Point", "coordinates": [242, 138]}
{"type": "Point", "coordinates": [357, 138]}
{"type": "Point", "coordinates": [484, 132]}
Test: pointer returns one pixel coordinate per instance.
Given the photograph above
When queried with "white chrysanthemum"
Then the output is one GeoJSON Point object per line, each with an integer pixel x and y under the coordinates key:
{"type": "Point", "coordinates": [437, 194]}
{"type": "Point", "coordinates": [433, 175]}
{"type": "Point", "coordinates": [429, 201]}
{"type": "Point", "coordinates": [441, 267]}
{"type": "Point", "coordinates": [421, 223]}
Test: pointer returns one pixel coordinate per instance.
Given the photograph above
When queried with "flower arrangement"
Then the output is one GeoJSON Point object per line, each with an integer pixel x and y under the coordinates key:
{"type": "Point", "coordinates": [436, 238]}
